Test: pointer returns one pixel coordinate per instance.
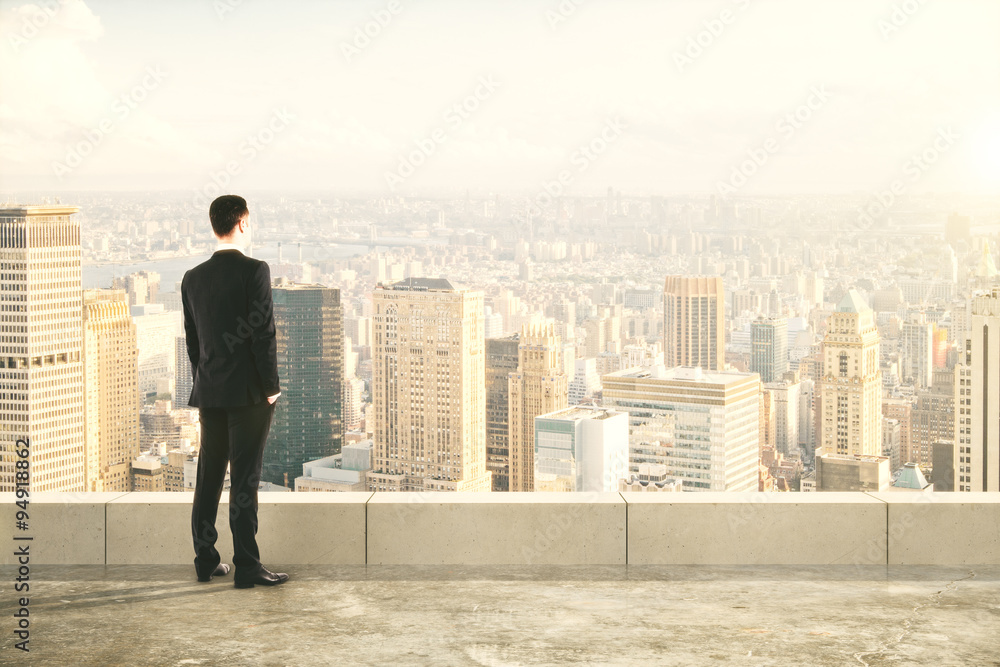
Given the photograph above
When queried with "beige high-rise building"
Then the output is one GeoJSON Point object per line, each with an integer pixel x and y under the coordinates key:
{"type": "Point", "coordinates": [916, 342]}
{"type": "Point", "coordinates": [851, 386]}
{"type": "Point", "coordinates": [694, 331]}
{"type": "Point", "coordinates": [41, 365]}
{"type": "Point", "coordinates": [429, 388]}
{"type": "Point", "coordinates": [596, 336]}
{"type": "Point", "coordinates": [539, 386]}
{"type": "Point", "coordinates": [977, 399]}
{"type": "Point", "coordinates": [703, 426]}
{"type": "Point", "coordinates": [110, 363]}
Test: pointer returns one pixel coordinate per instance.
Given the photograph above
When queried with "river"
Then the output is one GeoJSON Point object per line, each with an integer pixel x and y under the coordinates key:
{"type": "Point", "coordinates": [172, 269]}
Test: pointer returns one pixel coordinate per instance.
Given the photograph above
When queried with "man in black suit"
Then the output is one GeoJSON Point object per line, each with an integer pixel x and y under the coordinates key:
{"type": "Point", "coordinates": [229, 323]}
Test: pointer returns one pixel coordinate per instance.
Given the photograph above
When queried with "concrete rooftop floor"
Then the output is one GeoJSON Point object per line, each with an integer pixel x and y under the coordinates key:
{"type": "Point", "coordinates": [497, 616]}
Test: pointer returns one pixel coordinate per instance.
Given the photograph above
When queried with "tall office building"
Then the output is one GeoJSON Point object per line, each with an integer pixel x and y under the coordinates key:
{"type": "Point", "coordinates": [784, 412]}
{"type": "Point", "coordinates": [769, 348]}
{"type": "Point", "coordinates": [501, 361]}
{"type": "Point", "coordinates": [184, 378]}
{"type": "Point", "coordinates": [354, 389]}
{"type": "Point", "coordinates": [157, 330]}
{"type": "Point", "coordinates": [538, 387]}
{"type": "Point", "coordinates": [917, 350]}
{"type": "Point", "coordinates": [111, 399]}
{"type": "Point", "coordinates": [703, 426]}
{"type": "Point", "coordinates": [142, 287]}
{"type": "Point", "coordinates": [586, 381]}
{"type": "Point", "coordinates": [807, 420]}
{"type": "Point", "coordinates": [429, 388]}
{"type": "Point", "coordinates": [693, 328]}
{"type": "Point", "coordinates": [596, 336]}
{"type": "Point", "coordinates": [851, 387]}
{"type": "Point", "coordinates": [977, 399]}
{"type": "Point", "coordinates": [41, 305]}
{"type": "Point", "coordinates": [580, 449]}
{"type": "Point", "coordinates": [932, 420]}
{"type": "Point", "coordinates": [308, 419]}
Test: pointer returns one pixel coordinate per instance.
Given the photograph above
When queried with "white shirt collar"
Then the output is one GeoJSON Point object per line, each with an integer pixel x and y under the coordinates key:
{"type": "Point", "coordinates": [229, 246]}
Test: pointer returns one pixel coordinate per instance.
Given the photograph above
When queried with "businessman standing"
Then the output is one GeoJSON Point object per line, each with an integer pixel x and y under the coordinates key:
{"type": "Point", "coordinates": [229, 323]}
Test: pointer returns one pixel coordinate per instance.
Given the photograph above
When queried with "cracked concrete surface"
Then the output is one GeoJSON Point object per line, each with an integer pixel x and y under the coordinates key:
{"type": "Point", "coordinates": [500, 616]}
{"type": "Point", "coordinates": [934, 599]}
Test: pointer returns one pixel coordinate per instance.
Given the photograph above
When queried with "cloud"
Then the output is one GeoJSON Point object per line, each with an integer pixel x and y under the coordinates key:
{"type": "Point", "coordinates": [67, 20]}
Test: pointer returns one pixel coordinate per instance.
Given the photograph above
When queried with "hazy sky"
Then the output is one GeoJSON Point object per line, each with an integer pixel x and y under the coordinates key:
{"type": "Point", "coordinates": [179, 86]}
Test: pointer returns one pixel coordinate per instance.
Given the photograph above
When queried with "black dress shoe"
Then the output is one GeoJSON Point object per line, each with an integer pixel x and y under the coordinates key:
{"type": "Point", "coordinates": [220, 570]}
{"type": "Point", "coordinates": [265, 578]}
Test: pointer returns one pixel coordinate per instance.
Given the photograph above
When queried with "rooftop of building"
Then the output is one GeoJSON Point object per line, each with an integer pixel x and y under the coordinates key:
{"type": "Point", "coordinates": [831, 456]}
{"type": "Point", "coordinates": [852, 302]}
{"type": "Point", "coordinates": [684, 374]}
{"type": "Point", "coordinates": [512, 615]}
{"type": "Point", "coordinates": [421, 285]}
{"type": "Point", "coordinates": [910, 477]}
{"type": "Point", "coordinates": [21, 210]}
{"type": "Point", "coordinates": [285, 284]}
{"type": "Point", "coordinates": [580, 412]}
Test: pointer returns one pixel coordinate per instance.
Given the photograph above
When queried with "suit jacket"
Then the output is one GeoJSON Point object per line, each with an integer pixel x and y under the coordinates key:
{"type": "Point", "coordinates": [229, 323]}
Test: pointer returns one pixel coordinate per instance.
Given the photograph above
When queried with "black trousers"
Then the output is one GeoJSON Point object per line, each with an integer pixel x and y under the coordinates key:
{"type": "Point", "coordinates": [233, 436]}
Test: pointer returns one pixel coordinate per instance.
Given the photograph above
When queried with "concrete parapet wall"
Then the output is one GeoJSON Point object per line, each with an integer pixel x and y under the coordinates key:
{"type": "Point", "coordinates": [755, 528]}
{"type": "Point", "coordinates": [523, 528]}
{"type": "Point", "coordinates": [942, 528]}
{"type": "Point", "coordinates": [496, 529]}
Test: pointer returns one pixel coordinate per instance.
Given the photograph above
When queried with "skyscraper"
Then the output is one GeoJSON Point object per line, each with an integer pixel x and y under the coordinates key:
{"type": "Point", "coordinates": [769, 351]}
{"type": "Point", "coordinates": [784, 404]}
{"type": "Point", "coordinates": [41, 354]}
{"type": "Point", "coordinates": [354, 388]}
{"type": "Point", "coordinates": [501, 361]}
{"type": "Point", "coordinates": [977, 399]}
{"type": "Point", "coordinates": [308, 418]}
{"type": "Point", "coordinates": [693, 328]}
{"type": "Point", "coordinates": [111, 399]}
{"type": "Point", "coordinates": [429, 388]}
{"type": "Point", "coordinates": [703, 426]}
{"type": "Point", "coordinates": [184, 382]}
{"type": "Point", "coordinates": [932, 420]}
{"type": "Point", "coordinates": [156, 330]}
{"type": "Point", "coordinates": [538, 387]}
{"type": "Point", "coordinates": [851, 387]}
{"type": "Point", "coordinates": [917, 350]}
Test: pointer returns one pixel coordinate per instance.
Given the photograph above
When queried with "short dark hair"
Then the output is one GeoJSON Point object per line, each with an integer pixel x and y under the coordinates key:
{"type": "Point", "coordinates": [225, 212]}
